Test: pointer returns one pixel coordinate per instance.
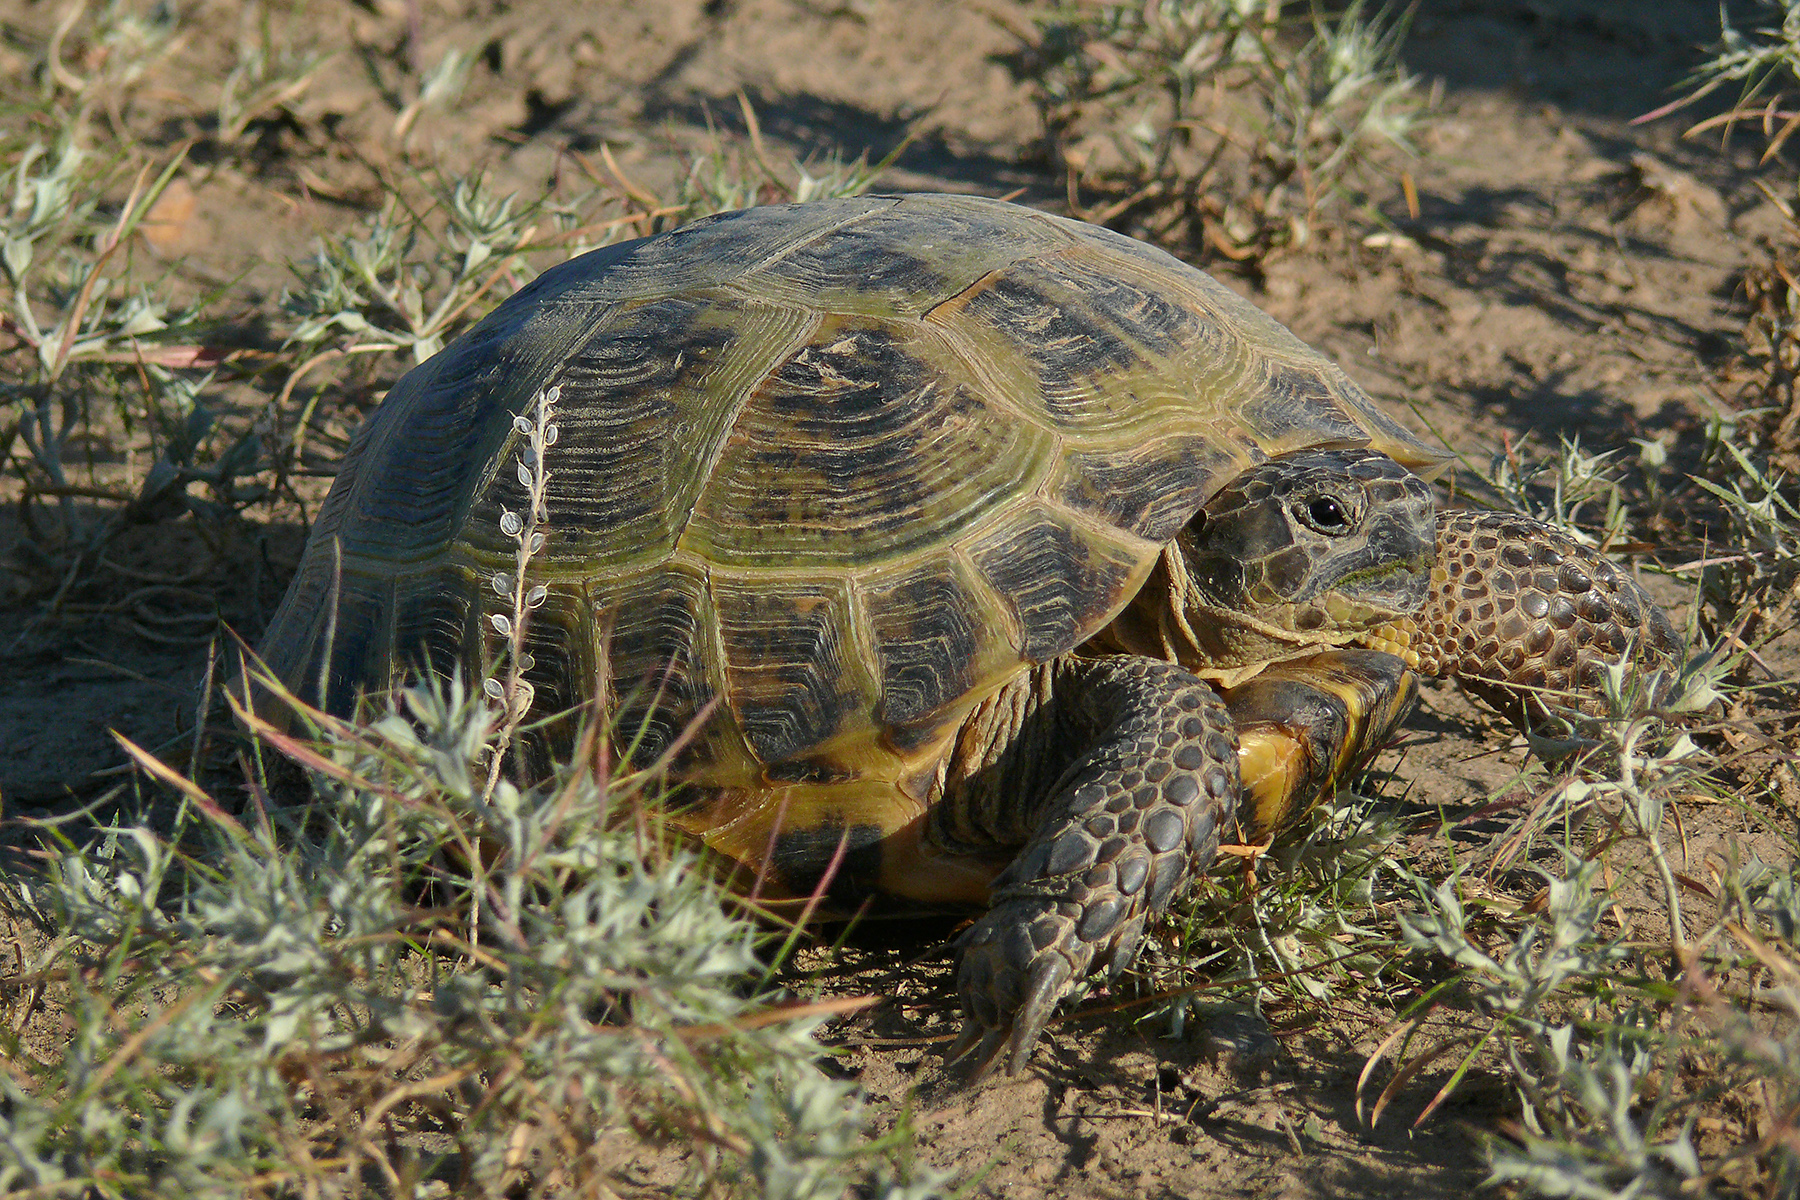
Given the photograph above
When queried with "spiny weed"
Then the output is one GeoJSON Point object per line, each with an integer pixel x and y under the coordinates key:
{"type": "Point", "coordinates": [301, 999]}
{"type": "Point", "coordinates": [730, 173]}
{"type": "Point", "coordinates": [1227, 125]}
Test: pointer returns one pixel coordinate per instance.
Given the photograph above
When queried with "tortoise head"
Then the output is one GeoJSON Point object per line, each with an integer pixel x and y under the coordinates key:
{"type": "Point", "coordinates": [1310, 549]}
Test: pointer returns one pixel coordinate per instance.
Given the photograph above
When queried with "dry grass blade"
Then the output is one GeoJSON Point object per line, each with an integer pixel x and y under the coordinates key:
{"type": "Point", "coordinates": [1399, 1033]}
{"type": "Point", "coordinates": [641, 195]}
{"type": "Point", "coordinates": [1405, 1075]}
{"type": "Point", "coordinates": [163, 772]}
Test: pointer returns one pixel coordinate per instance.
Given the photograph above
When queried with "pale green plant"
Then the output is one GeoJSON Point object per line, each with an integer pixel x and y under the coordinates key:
{"type": "Point", "coordinates": [300, 1004]}
{"type": "Point", "coordinates": [118, 46]}
{"type": "Point", "coordinates": [1612, 1071]}
{"type": "Point", "coordinates": [267, 75]}
{"type": "Point", "coordinates": [510, 691]}
{"type": "Point", "coordinates": [104, 353]}
{"type": "Point", "coordinates": [1581, 494]}
{"type": "Point", "coordinates": [398, 285]}
{"type": "Point", "coordinates": [730, 173]}
{"type": "Point", "coordinates": [1762, 62]}
{"type": "Point", "coordinates": [1297, 920]}
{"type": "Point", "coordinates": [1228, 120]}
{"type": "Point", "coordinates": [1599, 1055]}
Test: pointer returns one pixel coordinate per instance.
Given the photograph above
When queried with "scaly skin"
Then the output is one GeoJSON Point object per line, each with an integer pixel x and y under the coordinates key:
{"type": "Point", "coordinates": [1528, 619]}
{"type": "Point", "coordinates": [1306, 725]}
{"type": "Point", "coordinates": [1148, 777]}
{"type": "Point", "coordinates": [1118, 775]}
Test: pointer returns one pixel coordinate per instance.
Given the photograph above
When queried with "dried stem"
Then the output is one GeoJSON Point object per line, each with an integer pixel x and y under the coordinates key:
{"type": "Point", "coordinates": [512, 691]}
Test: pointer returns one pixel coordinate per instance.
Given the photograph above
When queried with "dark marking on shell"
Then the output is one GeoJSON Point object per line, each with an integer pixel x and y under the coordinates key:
{"type": "Point", "coordinates": [1062, 587]}
{"type": "Point", "coordinates": [926, 641]}
{"type": "Point", "coordinates": [871, 258]}
{"type": "Point", "coordinates": [1149, 491]}
{"type": "Point", "coordinates": [1070, 345]}
{"type": "Point", "coordinates": [786, 666]}
{"type": "Point", "coordinates": [656, 659]}
{"type": "Point", "coordinates": [805, 771]}
{"type": "Point", "coordinates": [621, 445]}
{"type": "Point", "coordinates": [1298, 406]}
{"type": "Point", "coordinates": [804, 855]}
{"type": "Point", "coordinates": [1146, 316]}
{"type": "Point", "coordinates": [436, 625]}
{"type": "Point", "coordinates": [415, 471]}
{"type": "Point", "coordinates": [858, 440]}
{"type": "Point", "coordinates": [360, 642]}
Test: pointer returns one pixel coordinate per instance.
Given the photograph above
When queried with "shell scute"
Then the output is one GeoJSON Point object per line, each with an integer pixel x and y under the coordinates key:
{"type": "Point", "coordinates": [863, 445]}
{"type": "Point", "coordinates": [1149, 490]}
{"type": "Point", "coordinates": [1062, 577]}
{"type": "Point", "coordinates": [660, 658]}
{"type": "Point", "coordinates": [711, 252]}
{"type": "Point", "coordinates": [642, 406]}
{"type": "Point", "coordinates": [357, 645]}
{"type": "Point", "coordinates": [1297, 405]}
{"type": "Point", "coordinates": [437, 620]}
{"type": "Point", "coordinates": [1068, 348]}
{"type": "Point", "coordinates": [794, 680]}
{"type": "Point", "coordinates": [939, 636]}
{"type": "Point", "coordinates": [901, 259]}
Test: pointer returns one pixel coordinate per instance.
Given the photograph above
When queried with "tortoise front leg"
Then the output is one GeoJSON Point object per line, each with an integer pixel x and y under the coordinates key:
{"type": "Point", "coordinates": [1307, 725]}
{"type": "Point", "coordinates": [1145, 775]}
{"type": "Point", "coordinates": [1529, 619]}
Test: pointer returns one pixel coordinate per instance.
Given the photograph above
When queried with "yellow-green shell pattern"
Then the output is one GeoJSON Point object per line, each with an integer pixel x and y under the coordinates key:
{"type": "Point", "coordinates": [841, 468]}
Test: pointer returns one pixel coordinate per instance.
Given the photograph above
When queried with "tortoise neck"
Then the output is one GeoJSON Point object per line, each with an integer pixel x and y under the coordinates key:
{"type": "Point", "coordinates": [1172, 619]}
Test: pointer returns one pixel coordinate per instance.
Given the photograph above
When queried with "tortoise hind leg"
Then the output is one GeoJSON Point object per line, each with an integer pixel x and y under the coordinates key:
{"type": "Point", "coordinates": [1149, 776]}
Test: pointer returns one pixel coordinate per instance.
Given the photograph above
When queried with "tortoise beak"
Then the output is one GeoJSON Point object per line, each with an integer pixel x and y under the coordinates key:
{"type": "Point", "coordinates": [1402, 546]}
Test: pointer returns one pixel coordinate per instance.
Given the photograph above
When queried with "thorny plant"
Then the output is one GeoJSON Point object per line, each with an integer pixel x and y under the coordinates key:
{"type": "Point", "coordinates": [1640, 1061]}
{"type": "Point", "coordinates": [1762, 63]}
{"type": "Point", "coordinates": [100, 62]}
{"type": "Point", "coordinates": [411, 278]}
{"type": "Point", "coordinates": [294, 1005]}
{"type": "Point", "coordinates": [1564, 489]}
{"type": "Point", "coordinates": [110, 370]}
{"type": "Point", "coordinates": [733, 173]}
{"type": "Point", "coordinates": [101, 351]}
{"type": "Point", "coordinates": [1228, 124]}
{"type": "Point", "coordinates": [266, 76]}
{"type": "Point", "coordinates": [1292, 922]}
{"type": "Point", "coordinates": [1770, 390]}
{"type": "Point", "coordinates": [1641, 1064]}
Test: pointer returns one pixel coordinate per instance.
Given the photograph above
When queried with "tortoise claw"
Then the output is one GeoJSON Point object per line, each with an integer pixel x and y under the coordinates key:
{"type": "Point", "coordinates": [1017, 962]}
{"type": "Point", "coordinates": [1010, 1042]}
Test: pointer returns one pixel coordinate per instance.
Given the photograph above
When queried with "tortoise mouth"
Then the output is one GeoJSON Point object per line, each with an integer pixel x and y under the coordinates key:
{"type": "Point", "coordinates": [1354, 603]}
{"type": "Point", "coordinates": [1230, 644]}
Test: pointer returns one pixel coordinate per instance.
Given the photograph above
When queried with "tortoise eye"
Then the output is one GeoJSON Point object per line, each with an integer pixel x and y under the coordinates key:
{"type": "Point", "coordinates": [1327, 514]}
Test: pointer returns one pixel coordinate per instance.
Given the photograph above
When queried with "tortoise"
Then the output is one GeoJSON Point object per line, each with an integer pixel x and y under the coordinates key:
{"type": "Point", "coordinates": [996, 558]}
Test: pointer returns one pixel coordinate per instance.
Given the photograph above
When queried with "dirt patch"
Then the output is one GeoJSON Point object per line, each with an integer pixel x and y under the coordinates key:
{"type": "Point", "coordinates": [1566, 274]}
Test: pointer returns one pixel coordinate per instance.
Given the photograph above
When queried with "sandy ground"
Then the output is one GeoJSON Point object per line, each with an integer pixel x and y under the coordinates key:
{"type": "Point", "coordinates": [1567, 274]}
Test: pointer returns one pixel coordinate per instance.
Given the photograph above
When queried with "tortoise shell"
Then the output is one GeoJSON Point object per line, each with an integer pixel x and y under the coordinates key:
{"type": "Point", "coordinates": [842, 467]}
